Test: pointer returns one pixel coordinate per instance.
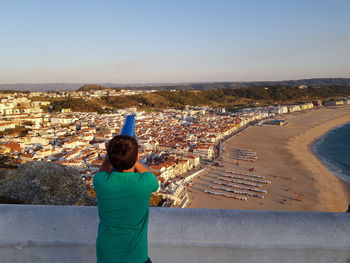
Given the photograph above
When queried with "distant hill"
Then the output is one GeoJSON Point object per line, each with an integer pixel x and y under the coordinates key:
{"type": "Point", "coordinates": [51, 86]}
{"type": "Point", "coordinates": [229, 98]}
{"type": "Point", "coordinates": [315, 82]}
{"type": "Point", "coordinates": [41, 86]}
{"type": "Point", "coordinates": [89, 87]}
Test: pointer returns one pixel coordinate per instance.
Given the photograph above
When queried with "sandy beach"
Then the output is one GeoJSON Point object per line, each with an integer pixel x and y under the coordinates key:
{"type": "Point", "coordinates": [299, 180]}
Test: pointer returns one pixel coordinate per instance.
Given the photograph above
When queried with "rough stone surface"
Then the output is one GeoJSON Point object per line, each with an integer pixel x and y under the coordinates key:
{"type": "Point", "coordinates": [2, 175]}
{"type": "Point", "coordinates": [45, 183]}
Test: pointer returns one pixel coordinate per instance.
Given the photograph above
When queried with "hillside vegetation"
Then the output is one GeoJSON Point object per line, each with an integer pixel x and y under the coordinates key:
{"type": "Point", "coordinates": [90, 87]}
{"type": "Point", "coordinates": [80, 105]}
{"type": "Point", "coordinates": [315, 82]}
{"type": "Point", "coordinates": [229, 98]}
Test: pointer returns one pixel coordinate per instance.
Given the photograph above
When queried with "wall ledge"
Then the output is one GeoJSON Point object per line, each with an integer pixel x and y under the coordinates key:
{"type": "Point", "coordinates": [67, 233]}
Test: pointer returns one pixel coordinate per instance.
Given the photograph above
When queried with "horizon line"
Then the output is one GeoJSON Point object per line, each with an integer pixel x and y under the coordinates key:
{"type": "Point", "coordinates": [171, 83]}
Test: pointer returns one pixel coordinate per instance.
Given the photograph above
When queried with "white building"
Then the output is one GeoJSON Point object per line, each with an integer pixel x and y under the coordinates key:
{"type": "Point", "coordinates": [205, 152]}
{"type": "Point", "coordinates": [7, 125]}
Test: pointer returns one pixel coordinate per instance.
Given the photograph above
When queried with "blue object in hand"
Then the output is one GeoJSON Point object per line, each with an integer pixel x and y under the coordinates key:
{"type": "Point", "coordinates": [129, 126]}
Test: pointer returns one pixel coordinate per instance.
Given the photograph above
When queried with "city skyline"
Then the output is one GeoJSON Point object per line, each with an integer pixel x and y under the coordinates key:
{"type": "Point", "coordinates": [163, 42]}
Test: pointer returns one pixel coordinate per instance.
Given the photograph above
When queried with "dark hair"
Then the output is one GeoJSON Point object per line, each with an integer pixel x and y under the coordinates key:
{"type": "Point", "coordinates": [122, 152]}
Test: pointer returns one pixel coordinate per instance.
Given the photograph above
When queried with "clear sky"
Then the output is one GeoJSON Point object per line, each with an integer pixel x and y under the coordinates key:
{"type": "Point", "coordinates": [152, 41]}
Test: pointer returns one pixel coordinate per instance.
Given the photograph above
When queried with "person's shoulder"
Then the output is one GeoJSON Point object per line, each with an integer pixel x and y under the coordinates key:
{"type": "Point", "coordinates": [98, 175]}
{"type": "Point", "coordinates": [148, 175]}
{"type": "Point", "coordinates": [151, 180]}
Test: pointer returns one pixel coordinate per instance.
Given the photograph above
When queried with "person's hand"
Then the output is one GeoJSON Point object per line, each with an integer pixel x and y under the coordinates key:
{"type": "Point", "coordinates": [106, 166]}
{"type": "Point", "coordinates": [139, 168]}
{"type": "Point", "coordinates": [107, 144]}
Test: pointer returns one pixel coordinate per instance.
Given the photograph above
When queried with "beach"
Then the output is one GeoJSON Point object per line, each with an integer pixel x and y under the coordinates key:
{"type": "Point", "coordinates": [299, 180]}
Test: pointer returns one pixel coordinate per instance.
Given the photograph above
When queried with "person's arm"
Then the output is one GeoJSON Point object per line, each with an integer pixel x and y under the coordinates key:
{"type": "Point", "coordinates": [151, 178]}
{"type": "Point", "coordinates": [106, 166]}
{"type": "Point", "coordinates": [139, 168]}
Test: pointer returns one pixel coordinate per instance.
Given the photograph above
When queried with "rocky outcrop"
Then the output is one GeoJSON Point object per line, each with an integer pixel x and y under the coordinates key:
{"type": "Point", "coordinates": [45, 183]}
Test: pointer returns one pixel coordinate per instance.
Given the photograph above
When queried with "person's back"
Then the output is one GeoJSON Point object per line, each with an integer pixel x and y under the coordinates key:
{"type": "Point", "coordinates": [123, 201]}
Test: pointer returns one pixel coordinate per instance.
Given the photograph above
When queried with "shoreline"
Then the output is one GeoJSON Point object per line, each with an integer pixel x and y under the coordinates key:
{"type": "Point", "coordinates": [328, 165]}
{"type": "Point", "coordinates": [286, 158]}
{"type": "Point", "coordinates": [329, 198]}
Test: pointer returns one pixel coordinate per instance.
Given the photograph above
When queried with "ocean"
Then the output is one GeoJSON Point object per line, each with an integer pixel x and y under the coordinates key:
{"type": "Point", "coordinates": [334, 150]}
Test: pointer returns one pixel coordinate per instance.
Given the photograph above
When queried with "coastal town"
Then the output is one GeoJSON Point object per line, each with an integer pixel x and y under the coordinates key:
{"type": "Point", "coordinates": [176, 144]}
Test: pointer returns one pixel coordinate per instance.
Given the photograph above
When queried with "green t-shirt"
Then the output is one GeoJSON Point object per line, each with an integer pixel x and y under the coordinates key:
{"type": "Point", "coordinates": [123, 201]}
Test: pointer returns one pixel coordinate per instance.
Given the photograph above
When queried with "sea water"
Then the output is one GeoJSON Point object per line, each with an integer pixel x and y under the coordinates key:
{"type": "Point", "coordinates": [334, 150]}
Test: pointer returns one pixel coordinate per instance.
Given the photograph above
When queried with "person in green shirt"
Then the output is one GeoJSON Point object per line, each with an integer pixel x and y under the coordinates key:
{"type": "Point", "coordinates": [123, 187]}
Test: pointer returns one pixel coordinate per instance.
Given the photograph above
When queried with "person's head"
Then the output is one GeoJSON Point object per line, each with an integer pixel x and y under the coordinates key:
{"type": "Point", "coordinates": [122, 152]}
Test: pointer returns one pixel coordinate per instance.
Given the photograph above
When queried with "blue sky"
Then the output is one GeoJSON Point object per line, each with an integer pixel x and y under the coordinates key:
{"type": "Point", "coordinates": [172, 41]}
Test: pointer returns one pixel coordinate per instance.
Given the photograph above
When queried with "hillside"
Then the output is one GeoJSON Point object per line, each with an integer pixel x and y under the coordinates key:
{"type": "Point", "coordinates": [229, 98]}
{"type": "Point", "coordinates": [314, 82]}
{"type": "Point", "coordinates": [91, 87]}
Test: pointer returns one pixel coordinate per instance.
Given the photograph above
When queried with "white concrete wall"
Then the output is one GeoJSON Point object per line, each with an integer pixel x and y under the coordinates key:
{"type": "Point", "coordinates": [67, 234]}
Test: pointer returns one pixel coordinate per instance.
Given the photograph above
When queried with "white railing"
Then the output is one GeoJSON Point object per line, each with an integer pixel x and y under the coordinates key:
{"type": "Point", "coordinates": [67, 234]}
